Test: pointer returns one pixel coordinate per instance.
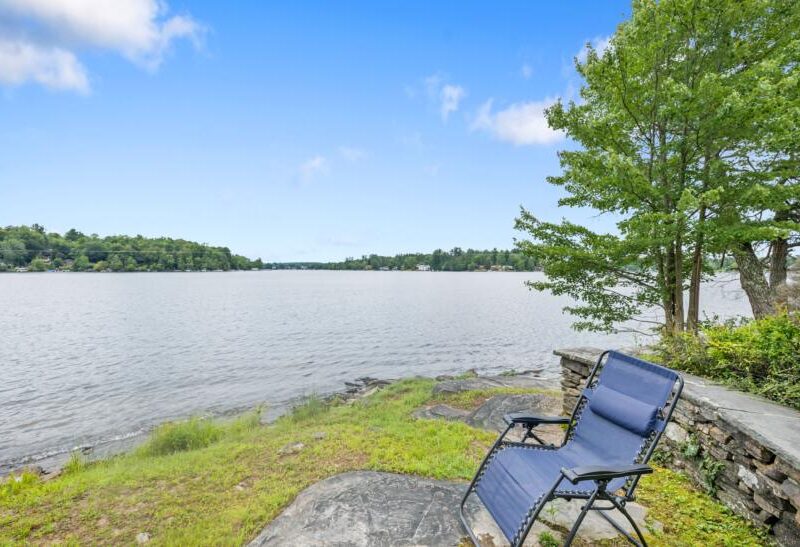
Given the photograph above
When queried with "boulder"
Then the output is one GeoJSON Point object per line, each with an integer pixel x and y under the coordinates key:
{"type": "Point", "coordinates": [371, 508]}
{"type": "Point", "coordinates": [523, 380]}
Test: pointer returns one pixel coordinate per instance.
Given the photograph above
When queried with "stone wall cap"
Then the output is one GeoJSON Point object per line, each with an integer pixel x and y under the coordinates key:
{"type": "Point", "coordinates": [585, 354]}
{"type": "Point", "coordinates": [774, 426]}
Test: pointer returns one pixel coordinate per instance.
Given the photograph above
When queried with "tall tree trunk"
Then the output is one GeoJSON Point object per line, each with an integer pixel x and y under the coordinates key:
{"type": "Point", "coordinates": [677, 288]}
{"type": "Point", "coordinates": [779, 253]}
{"type": "Point", "coordinates": [666, 299]}
{"type": "Point", "coordinates": [751, 276]}
{"type": "Point", "coordinates": [693, 313]}
{"type": "Point", "coordinates": [674, 323]}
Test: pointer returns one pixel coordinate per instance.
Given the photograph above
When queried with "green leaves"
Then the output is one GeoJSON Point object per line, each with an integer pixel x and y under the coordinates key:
{"type": "Point", "coordinates": [688, 131]}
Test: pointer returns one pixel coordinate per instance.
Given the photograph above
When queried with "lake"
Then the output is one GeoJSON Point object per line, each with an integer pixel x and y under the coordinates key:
{"type": "Point", "coordinates": [89, 359]}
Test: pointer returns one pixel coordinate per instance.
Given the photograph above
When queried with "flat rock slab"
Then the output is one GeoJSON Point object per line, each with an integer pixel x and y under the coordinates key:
{"type": "Point", "coordinates": [441, 412]}
{"type": "Point", "coordinates": [385, 509]}
{"type": "Point", "coordinates": [490, 414]}
{"type": "Point", "coordinates": [523, 380]}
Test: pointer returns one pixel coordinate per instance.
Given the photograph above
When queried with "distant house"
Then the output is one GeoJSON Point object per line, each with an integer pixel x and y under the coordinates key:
{"type": "Point", "coordinates": [384, 268]}
{"type": "Point", "coordinates": [423, 268]}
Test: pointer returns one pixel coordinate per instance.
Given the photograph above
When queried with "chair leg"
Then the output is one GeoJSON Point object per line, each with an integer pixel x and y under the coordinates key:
{"type": "Point", "coordinates": [621, 509]}
{"type": "Point", "coordinates": [574, 531]}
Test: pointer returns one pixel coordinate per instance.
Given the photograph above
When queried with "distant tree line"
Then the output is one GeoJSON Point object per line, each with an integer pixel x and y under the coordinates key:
{"type": "Point", "coordinates": [34, 248]}
{"type": "Point", "coordinates": [454, 260]}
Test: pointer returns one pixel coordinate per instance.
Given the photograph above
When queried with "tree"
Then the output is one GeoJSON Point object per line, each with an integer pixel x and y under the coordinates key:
{"type": "Point", "coordinates": [38, 265]}
{"type": "Point", "coordinates": [115, 263]}
{"type": "Point", "coordinates": [80, 263]}
{"type": "Point", "coordinates": [661, 123]}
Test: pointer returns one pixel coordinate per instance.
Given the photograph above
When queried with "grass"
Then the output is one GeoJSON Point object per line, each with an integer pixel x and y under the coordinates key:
{"type": "Point", "coordinates": [220, 483]}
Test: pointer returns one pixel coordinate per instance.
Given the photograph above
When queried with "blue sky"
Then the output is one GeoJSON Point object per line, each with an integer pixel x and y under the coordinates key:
{"type": "Point", "coordinates": [292, 130]}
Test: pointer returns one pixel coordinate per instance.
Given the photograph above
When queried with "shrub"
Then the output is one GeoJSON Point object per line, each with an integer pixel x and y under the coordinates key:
{"type": "Point", "coordinates": [760, 356]}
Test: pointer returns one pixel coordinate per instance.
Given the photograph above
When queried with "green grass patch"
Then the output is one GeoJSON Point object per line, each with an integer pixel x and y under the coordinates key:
{"type": "Point", "coordinates": [690, 517]}
{"type": "Point", "coordinates": [202, 482]}
{"type": "Point", "coordinates": [180, 436]}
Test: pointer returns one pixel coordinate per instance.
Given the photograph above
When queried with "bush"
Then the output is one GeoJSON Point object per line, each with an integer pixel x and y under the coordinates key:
{"type": "Point", "coordinates": [760, 356]}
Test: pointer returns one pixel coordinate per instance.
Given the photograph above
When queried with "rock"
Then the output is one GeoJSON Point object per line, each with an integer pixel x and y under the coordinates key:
{"type": "Point", "coordinates": [37, 470]}
{"type": "Point", "coordinates": [442, 412]}
{"type": "Point", "coordinates": [748, 477]}
{"type": "Point", "coordinates": [490, 414]}
{"type": "Point", "coordinates": [370, 508]}
{"type": "Point", "coordinates": [676, 433]}
{"type": "Point", "coordinates": [522, 380]}
{"type": "Point", "coordinates": [319, 435]}
{"type": "Point", "coordinates": [358, 389]}
{"type": "Point", "coordinates": [142, 537]}
{"type": "Point", "coordinates": [291, 448]}
{"type": "Point", "coordinates": [561, 514]}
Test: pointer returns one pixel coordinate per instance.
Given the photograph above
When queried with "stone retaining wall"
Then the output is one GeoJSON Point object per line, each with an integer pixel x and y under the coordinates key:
{"type": "Point", "coordinates": [742, 448]}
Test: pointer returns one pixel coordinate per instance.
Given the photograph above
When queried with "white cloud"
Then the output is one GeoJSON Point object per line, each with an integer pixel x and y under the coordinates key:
{"type": "Point", "coordinates": [352, 153]}
{"type": "Point", "coordinates": [520, 124]}
{"type": "Point", "coordinates": [526, 71]}
{"type": "Point", "coordinates": [447, 96]}
{"type": "Point", "coordinates": [312, 167]}
{"type": "Point", "coordinates": [139, 30]}
{"type": "Point", "coordinates": [598, 43]}
{"type": "Point", "coordinates": [52, 67]}
{"type": "Point", "coordinates": [450, 97]}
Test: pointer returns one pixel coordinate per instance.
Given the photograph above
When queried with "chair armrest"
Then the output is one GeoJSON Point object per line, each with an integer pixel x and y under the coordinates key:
{"type": "Point", "coordinates": [603, 472]}
{"type": "Point", "coordinates": [533, 419]}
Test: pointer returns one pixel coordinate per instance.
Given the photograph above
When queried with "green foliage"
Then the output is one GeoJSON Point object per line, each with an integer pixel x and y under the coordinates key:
{"type": "Point", "coordinates": [74, 464]}
{"type": "Point", "coordinates": [312, 407]}
{"type": "Point", "coordinates": [691, 447]}
{"type": "Point", "coordinates": [710, 469]}
{"type": "Point", "coordinates": [181, 436]}
{"type": "Point", "coordinates": [14, 484]}
{"type": "Point", "coordinates": [687, 125]}
{"type": "Point", "coordinates": [31, 246]}
{"type": "Point", "coordinates": [661, 456]}
{"type": "Point", "coordinates": [546, 539]}
{"type": "Point", "coordinates": [455, 260]}
{"type": "Point", "coordinates": [760, 356]}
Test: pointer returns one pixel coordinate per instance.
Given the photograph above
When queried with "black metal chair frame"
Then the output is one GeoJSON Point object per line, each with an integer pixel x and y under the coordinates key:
{"type": "Point", "coordinates": [601, 475]}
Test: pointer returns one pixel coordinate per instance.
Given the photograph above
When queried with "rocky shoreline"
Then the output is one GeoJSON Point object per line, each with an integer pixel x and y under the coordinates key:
{"type": "Point", "coordinates": [49, 466]}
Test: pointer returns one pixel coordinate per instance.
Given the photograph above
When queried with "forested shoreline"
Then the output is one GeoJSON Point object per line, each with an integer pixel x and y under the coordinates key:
{"type": "Point", "coordinates": [32, 248]}
{"type": "Point", "coordinates": [454, 260]}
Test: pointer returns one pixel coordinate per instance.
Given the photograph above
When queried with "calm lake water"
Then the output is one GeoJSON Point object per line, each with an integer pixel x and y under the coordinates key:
{"type": "Point", "coordinates": [87, 359]}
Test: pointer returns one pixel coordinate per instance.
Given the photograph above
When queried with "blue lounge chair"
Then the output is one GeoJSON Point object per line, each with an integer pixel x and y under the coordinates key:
{"type": "Point", "coordinates": [610, 436]}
